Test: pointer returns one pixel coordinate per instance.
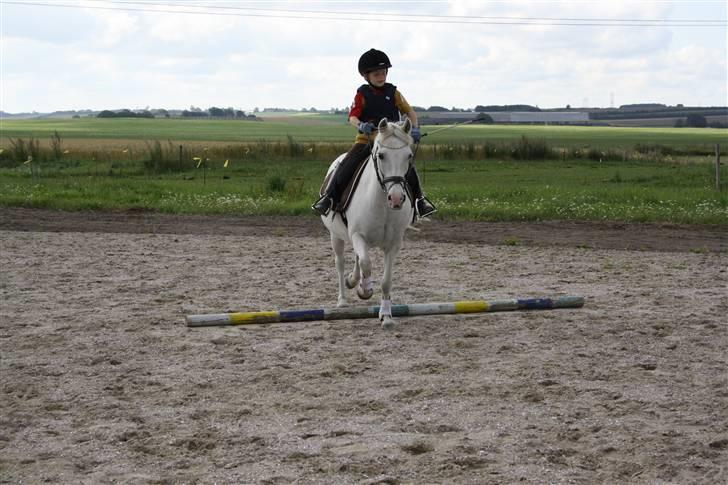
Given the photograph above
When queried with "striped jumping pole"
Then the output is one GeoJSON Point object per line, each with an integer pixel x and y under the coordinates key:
{"type": "Point", "coordinates": [477, 306]}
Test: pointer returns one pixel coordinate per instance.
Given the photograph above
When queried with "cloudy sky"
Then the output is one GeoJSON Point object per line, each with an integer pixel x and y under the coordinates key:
{"type": "Point", "coordinates": [100, 54]}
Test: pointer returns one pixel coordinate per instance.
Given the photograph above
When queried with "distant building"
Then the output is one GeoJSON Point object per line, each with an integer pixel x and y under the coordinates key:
{"type": "Point", "coordinates": [536, 117]}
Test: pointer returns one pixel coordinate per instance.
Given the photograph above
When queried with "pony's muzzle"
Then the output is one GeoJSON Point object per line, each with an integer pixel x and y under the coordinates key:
{"type": "Point", "coordinates": [396, 199]}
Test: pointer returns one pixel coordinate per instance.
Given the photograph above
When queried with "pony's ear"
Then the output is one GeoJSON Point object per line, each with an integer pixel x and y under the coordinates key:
{"type": "Point", "coordinates": [383, 125]}
{"type": "Point", "coordinates": [407, 125]}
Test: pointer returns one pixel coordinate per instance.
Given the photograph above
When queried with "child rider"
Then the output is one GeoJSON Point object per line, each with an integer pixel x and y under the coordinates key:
{"type": "Point", "coordinates": [373, 101]}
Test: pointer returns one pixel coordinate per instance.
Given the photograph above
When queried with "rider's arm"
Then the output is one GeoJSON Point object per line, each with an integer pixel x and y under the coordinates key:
{"type": "Point", "coordinates": [412, 117]}
{"type": "Point", "coordinates": [354, 121]}
{"type": "Point", "coordinates": [404, 107]}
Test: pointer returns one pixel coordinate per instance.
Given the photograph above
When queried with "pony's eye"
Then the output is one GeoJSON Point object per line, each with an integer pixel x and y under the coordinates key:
{"type": "Point", "coordinates": [411, 156]}
{"type": "Point", "coordinates": [381, 156]}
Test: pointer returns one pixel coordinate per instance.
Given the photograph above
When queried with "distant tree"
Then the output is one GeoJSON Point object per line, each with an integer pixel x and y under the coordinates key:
{"type": "Point", "coordinates": [484, 118]}
{"type": "Point", "coordinates": [568, 106]}
{"type": "Point", "coordinates": [106, 114]}
{"type": "Point", "coordinates": [240, 114]}
{"type": "Point", "coordinates": [507, 107]}
{"type": "Point", "coordinates": [216, 112]}
{"type": "Point", "coordinates": [194, 114]}
{"type": "Point", "coordinates": [697, 121]}
{"type": "Point", "coordinates": [437, 108]}
{"type": "Point", "coordinates": [643, 106]}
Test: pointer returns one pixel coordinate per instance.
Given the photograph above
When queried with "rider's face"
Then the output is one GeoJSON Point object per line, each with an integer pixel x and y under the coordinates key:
{"type": "Point", "coordinates": [377, 78]}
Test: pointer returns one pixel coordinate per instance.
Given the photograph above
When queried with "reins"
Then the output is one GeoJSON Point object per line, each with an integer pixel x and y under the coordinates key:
{"type": "Point", "coordinates": [417, 144]}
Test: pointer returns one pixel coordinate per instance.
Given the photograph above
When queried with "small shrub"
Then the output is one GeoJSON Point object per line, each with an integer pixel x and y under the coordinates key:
{"type": "Point", "coordinates": [532, 149]}
{"type": "Point", "coordinates": [294, 149]}
{"type": "Point", "coordinates": [56, 146]}
{"type": "Point", "coordinates": [276, 184]}
{"type": "Point", "coordinates": [19, 150]}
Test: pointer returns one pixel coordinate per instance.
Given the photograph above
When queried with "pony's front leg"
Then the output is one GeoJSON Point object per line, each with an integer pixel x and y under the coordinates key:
{"type": "Point", "coordinates": [338, 247]}
{"type": "Point", "coordinates": [353, 279]}
{"type": "Point", "coordinates": [385, 308]}
{"type": "Point", "coordinates": [361, 248]}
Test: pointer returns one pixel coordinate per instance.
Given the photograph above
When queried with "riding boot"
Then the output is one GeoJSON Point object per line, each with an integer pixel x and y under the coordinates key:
{"type": "Point", "coordinates": [423, 206]}
{"type": "Point", "coordinates": [348, 165]}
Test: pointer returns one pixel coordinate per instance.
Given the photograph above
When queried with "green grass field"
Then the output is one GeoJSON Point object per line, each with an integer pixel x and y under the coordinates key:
{"type": "Point", "coordinates": [325, 128]}
{"type": "Point", "coordinates": [664, 189]}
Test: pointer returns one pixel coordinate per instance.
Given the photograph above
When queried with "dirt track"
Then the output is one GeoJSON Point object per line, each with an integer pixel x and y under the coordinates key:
{"type": "Point", "coordinates": [102, 382]}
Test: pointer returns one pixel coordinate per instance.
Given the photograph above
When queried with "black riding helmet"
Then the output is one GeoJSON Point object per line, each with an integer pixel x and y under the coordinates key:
{"type": "Point", "coordinates": [373, 60]}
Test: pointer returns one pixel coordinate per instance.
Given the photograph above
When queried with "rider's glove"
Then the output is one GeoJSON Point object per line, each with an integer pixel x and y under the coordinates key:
{"type": "Point", "coordinates": [365, 127]}
{"type": "Point", "coordinates": [415, 134]}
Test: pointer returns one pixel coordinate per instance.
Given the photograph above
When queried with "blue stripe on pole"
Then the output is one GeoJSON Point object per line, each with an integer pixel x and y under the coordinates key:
{"type": "Point", "coordinates": [302, 315]}
{"type": "Point", "coordinates": [400, 310]}
{"type": "Point", "coordinates": [535, 304]}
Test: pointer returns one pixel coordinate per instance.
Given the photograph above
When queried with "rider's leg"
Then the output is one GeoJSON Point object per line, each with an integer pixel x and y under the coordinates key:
{"type": "Point", "coordinates": [342, 176]}
{"type": "Point", "coordinates": [423, 206]}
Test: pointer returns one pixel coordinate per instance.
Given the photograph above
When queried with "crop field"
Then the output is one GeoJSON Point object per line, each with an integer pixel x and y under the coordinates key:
{"type": "Point", "coordinates": [487, 172]}
{"type": "Point", "coordinates": [329, 128]}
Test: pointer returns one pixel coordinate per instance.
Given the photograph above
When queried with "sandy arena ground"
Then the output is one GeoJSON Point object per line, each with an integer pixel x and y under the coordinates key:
{"type": "Point", "coordinates": [102, 381]}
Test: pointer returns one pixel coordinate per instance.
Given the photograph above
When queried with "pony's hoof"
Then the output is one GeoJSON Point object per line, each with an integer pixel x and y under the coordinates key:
{"type": "Point", "coordinates": [342, 303]}
{"type": "Point", "coordinates": [388, 323]}
{"type": "Point", "coordinates": [364, 294]}
{"type": "Point", "coordinates": [351, 282]}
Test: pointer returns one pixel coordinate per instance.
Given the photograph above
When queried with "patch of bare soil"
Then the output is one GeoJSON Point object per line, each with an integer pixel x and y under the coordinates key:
{"type": "Point", "coordinates": [594, 235]}
{"type": "Point", "coordinates": [102, 381]}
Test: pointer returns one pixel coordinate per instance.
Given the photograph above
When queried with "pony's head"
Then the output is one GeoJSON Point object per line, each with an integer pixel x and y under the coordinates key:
{"type": "Point", "coordinates": [392, 158]}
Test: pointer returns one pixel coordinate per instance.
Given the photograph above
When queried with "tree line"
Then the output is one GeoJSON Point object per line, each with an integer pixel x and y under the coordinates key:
{"type": "Point", "coordinates": [193, 112]}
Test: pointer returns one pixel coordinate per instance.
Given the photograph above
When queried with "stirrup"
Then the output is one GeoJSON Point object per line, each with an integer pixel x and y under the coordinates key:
{"type": "Point", "coordinates": [323, 205]}
{"type": "Point", "coordinates": [424, 207]}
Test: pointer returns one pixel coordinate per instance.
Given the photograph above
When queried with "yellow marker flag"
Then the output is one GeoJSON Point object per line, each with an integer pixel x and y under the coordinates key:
{"type": "Point", "coordinates": [226, 164]}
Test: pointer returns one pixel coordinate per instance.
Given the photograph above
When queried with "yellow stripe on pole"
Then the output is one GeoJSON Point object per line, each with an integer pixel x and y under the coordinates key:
{"type": "Point", "coordinates": [253, 317]}
{"type": "Point", "coordinates": [471, 306]}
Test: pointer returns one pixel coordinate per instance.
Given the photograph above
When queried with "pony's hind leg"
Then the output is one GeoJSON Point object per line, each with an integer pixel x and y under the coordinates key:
{"type": "Point", "coordinates": [353, 279]}
{"type": "Point", "coordinates": [338, 247]}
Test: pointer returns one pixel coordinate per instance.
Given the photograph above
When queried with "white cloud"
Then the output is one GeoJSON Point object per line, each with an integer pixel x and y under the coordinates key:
{"type": "Point", "coordinates": [100, 58]}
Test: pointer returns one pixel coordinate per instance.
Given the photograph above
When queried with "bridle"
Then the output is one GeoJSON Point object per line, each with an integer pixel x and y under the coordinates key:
{"type": "Point", "coordinates": [393, 180]}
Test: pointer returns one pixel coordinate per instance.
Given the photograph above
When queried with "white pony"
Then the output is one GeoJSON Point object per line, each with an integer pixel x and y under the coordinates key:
{"type": "Point", "coordinates": [378, 215]}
